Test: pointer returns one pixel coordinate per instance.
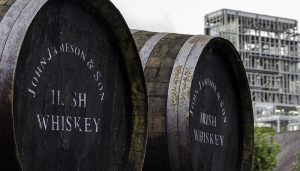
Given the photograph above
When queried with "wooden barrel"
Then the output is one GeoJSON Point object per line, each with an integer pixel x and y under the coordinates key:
{"type": "Point", "coordinates": [72, 91]}
{"type": "Point", "coordinates": [199, 105]}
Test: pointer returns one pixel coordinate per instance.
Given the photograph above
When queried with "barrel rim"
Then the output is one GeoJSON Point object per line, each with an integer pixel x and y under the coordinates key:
{"type": "Point", "coordinates": [246, 105]}
{"type": "Point", "coordinates": [121, 32]}
{"type": "Point", "coordinates": [175, 124]}
{"type": "Point", "coordinates": [149, 46]}
{"type": "Point", "coordinates": [179, 137]}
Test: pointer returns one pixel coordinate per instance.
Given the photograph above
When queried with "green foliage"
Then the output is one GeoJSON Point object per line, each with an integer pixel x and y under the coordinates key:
{"type": "Point", "coordinates": [296, 163]}
{"type": "Point", "coordinates": [265, 149]}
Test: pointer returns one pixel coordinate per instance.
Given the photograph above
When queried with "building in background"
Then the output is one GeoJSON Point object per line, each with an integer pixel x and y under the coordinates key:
{"type": "Point", "coordinates": [270, 49]}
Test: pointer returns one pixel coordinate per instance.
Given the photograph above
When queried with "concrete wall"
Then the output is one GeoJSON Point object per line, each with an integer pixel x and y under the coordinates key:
{"type": "Point", "coordinates": [290, 145]}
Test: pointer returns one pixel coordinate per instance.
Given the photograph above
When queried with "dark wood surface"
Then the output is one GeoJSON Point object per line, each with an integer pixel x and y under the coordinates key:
{"type": "Point", "coordinates": [215, 122]}
{"type": "Point", "coordinates": [157, 75]}
{"type": "Point", "coordinates": [218, 109]}
{"type": "Point", "coordinates": [78, 106]}
{"type": "Point", "coordinates": [78, 95]}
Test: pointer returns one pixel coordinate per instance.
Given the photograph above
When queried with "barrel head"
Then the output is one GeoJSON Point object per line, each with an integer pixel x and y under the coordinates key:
{"type": "Point", "coordinates": [214, 112]}
{"type": "Point", "coordinates": [72, 104]}
{"type": "Point", "coordinates": [203, 118]}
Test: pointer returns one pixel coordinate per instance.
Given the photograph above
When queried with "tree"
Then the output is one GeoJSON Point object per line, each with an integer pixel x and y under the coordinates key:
{"type": "Point", "coordinates": [265, 149]}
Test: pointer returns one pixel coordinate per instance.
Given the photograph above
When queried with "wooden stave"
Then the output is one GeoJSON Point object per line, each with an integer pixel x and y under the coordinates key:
{"type": "Point", "coordinates": [179, 93]}
{"type": "Point", "coordinates": [11, 16]}
{"type": "Point", "coordinates": [157, 115]}
{"type": "Point", "coordinates": [240, 76]}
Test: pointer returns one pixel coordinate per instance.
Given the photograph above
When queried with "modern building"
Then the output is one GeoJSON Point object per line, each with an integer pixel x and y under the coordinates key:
{"type": "Point", "coordinates": [270, 49]}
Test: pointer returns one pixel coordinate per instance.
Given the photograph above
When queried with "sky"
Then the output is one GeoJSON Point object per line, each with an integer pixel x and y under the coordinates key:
{"type": "Point", "coordinates": [187, 16]}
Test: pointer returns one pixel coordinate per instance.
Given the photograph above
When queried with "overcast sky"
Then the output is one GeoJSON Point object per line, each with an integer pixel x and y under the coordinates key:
{"type": "Point", "coordinates": [187, 16]}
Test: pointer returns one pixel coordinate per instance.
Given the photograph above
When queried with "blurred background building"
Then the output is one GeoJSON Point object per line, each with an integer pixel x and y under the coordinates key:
{"type": "Point", "coordinates": [270, 50]}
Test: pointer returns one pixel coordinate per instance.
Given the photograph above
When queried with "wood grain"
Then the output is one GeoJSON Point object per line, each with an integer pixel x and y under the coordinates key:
{"type": "Point", "coordinates": [200, 110]}
{"type": "Point", "coordinates": [72, 89]}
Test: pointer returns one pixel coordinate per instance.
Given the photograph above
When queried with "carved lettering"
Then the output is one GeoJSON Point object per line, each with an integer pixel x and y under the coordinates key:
{"type": "Point", "coordinates": [68, 123]}
{"type": "Point", "coordinates": [69, 128]}
{"type": "Point", "coordinates": [50, 55]}
{"type": "Point", "coordinates": [82, 99]}
{"type": "Point", "coordinates": [43, 122]}
{"type": "Point", "coordinates": [34, 81]}
{"type": "Point", "coordinates": [55, 122]}
{"type": "Point", "coordinates": [97, 76]}
{"type": "Point", "coordinates": [87, 125]}
{"type": "Point", "coordinates": [96, 121]}
{"type": "Point", "coordinates": [208, 138]}
{"type": "Point", "coordinates": [207, 119]}
{"type": "Point", "coordinates": [65, 48]}
{"type": "Point", "coordinates": [56, 98]}
{"type": "Point", "coordinates": [79, 100]}
{"type": "Point", "coordinates": [32, 92]}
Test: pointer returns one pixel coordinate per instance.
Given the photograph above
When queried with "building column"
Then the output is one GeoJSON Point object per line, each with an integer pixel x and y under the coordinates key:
{"type": "Point", "coordinates": [278, 124]}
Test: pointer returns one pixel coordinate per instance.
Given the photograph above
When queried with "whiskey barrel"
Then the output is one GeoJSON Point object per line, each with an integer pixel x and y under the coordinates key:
{"type": "Point", "coordinates": [200, 110]}
{"type": "Point", "coordinates": [72, 91]}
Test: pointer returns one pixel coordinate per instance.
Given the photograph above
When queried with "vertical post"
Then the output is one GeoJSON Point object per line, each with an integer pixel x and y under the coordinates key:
{"type": "Point", "coordinates": [237, 32]}
{"type": "Point", "coordinates": [225, 35]}
{"type": "Point", "coordinates": [206, 26]}
{"type": "Point", "coordinates": [278, 124]}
